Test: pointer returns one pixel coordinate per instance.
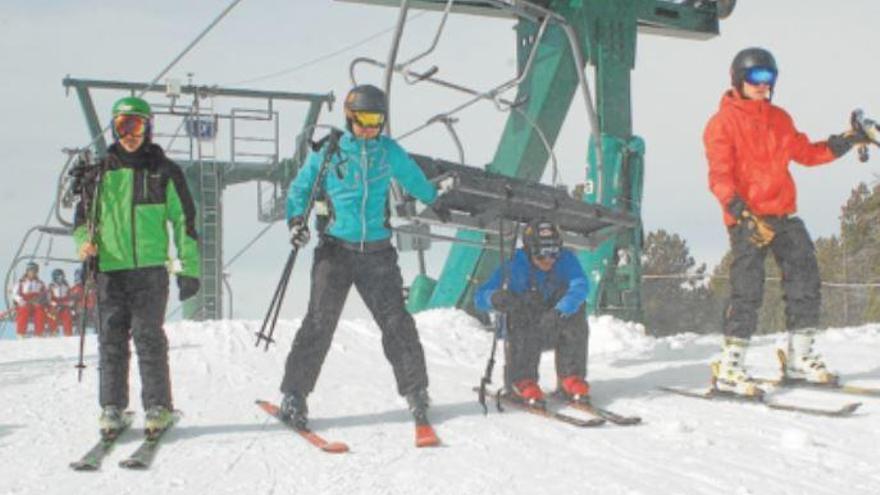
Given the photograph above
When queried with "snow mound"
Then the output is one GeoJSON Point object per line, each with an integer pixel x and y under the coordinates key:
{"type": "Point", "coordinates": [225, 445]}
{"type": "Point", "coordinates": [612, 336]}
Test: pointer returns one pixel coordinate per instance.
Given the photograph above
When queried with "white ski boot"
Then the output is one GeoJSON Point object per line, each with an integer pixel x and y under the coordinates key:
{"type": "Point", "coordinates": [112, 420]}
{"type": "Point", "coordinates": [803, 363]}
{"type": "Point", "coordinates": [729, 373]}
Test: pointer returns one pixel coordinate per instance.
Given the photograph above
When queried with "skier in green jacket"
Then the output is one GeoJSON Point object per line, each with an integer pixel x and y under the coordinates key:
{"type": "Point", "coordinates": [121, 222]}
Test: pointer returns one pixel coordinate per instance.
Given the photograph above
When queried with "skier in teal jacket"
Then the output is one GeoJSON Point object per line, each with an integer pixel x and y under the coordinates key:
{"type": "Point", "coordinates": [355, 249]}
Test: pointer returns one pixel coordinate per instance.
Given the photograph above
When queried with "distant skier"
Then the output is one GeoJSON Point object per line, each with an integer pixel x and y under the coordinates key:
{"type": "Point", "coordinates": [60, 304]}
{"type": "Point", "coordinates": [749, 145]}
{"type": "Point", "coordinates": [544, 301]}
{"type": "Point", "coordinates": [139, 193]}
{"type": "Point", "coordinates": [30, 297]}
{"type": "Point", "coordinates": [355, 249]}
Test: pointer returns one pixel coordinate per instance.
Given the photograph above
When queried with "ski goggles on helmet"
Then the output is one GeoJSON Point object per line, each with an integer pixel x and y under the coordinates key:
{"type": "Point", "coordinates": [760, 75]}
{"type": "Point", "coordinates": [129, 125]}
{"type": "Point", "coordinates": [547, 252]}
{"type": "Point", "coordinates": [368, 120]}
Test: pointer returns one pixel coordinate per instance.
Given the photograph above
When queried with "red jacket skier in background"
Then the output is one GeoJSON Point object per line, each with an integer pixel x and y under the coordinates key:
{"type": "Point", "coordinates": [60, 304]}
{"type": "Point", "coordinates": [749, 145]}
{"type": "Point", "coordinates": [80, 305]}
{"type": "Point", "coordinates": [29, 296]}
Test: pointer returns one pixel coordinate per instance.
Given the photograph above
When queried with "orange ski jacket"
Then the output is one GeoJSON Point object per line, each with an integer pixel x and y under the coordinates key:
{"type": "Point", "coordinates": [749, 144]}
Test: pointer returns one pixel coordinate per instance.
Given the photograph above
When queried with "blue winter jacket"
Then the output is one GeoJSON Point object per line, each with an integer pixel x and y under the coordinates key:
{"type": "Point", "coordinates": [566, 275]}
{"type": "Point", "coordinates": [356, 186]}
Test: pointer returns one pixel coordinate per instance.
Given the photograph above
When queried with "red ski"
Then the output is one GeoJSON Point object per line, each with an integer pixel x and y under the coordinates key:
{"type": "Point", "coordinates": [310, 436]}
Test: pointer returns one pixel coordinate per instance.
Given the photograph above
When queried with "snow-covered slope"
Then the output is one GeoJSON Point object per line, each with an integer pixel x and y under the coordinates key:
{"type": "Point", "coordinates": [224, 444]}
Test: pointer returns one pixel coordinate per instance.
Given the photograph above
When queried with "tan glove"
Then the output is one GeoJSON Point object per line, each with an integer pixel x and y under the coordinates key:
{"type": "Point", "coordinates": [760, 232]}
{"type": "Point", "coordinates": [87, 250]}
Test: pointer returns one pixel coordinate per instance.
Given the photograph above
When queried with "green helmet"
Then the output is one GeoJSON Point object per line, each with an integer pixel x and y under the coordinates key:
{"type": "Point", "coordinates": [132, 105]}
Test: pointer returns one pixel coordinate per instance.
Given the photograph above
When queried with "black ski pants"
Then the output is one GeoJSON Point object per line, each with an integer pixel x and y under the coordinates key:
{"type": "Point", "coordinates": [376, 276]}
{"type": "Point", "coordinates": [533, 327]}
{"type": "Point", "coordinates": [131, 304]}
{"type": "Point", "coordinates": [796, 256]}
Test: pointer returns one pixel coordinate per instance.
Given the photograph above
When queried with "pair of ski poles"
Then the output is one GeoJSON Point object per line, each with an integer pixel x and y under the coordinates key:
{"type": "Point", "coordinates": [267, 329]}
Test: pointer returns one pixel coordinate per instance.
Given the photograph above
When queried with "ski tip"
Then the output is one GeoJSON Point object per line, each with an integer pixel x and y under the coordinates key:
{"type": "Point", "coordinates": [850, 408]}
{"type": "Point", "coordinates": [335, 448]}
{"type": "Point", "coordinates": [132, 464]}
{"type": "Point", "coordinates": [426, 436]}
{"type": "Point", "coordinates": [427, 442]}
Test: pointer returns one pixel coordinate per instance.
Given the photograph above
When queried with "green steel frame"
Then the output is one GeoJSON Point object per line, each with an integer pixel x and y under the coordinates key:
{"type": "Point", "coordinates": [607, 32]}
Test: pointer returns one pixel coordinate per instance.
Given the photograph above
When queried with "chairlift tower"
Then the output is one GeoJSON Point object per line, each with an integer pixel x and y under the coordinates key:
{"type": "Point", "coordinates": [189, 125]}
{"type": "Point", "coordinates": [604, 32]}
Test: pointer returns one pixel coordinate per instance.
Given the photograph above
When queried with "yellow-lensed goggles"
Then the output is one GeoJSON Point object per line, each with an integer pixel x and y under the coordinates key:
{"type": "Point", "coordinates": [368, 119]}
{"type": "Point", "coordinates": [130, 125]}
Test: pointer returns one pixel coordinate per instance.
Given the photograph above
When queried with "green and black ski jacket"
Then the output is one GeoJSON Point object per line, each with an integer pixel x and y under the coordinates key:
{"type": "Point", "coordinates": [137, 197]}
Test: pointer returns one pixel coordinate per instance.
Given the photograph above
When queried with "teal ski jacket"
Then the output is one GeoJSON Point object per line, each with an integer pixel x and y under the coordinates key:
{"type": "Point", "coordinates": [356, 186]}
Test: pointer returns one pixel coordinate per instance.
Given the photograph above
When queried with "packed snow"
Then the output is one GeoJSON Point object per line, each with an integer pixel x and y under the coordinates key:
{"type": "Point", "coordinates": [225, 445]}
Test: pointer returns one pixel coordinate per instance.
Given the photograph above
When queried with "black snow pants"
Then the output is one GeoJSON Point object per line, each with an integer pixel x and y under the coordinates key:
{"type": "Point", "coordinates": [796, 256]}
{"type": "Point", "coordinates": [532, 327]}
{"type": "Point", "coordinates": [131, 304]}
{"type": "Point", "coordinates": [376, 276]}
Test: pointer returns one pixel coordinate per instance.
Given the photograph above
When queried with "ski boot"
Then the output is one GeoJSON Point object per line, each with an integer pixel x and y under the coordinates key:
{"type": "Point", "coordinates": [574, 388]}
{"type": "Point", "coordinates": [157, 419]}
{"type": "Point", "coordinates": [529, 392]}
{"type": "Point", "coordinates": [803, 363]}
{"type": "Point", "coordinates": [112, 421]}
{"type": "Point", "coordinates": [294, 410]}
{"type": "Point", "coordinates": [418, 402]}
{"type": "Point", "coordinates": [729, 374]}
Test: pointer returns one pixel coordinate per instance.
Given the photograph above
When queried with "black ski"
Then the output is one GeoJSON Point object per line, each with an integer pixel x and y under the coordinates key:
{"type": "Point", "coordinates": [91, 460]}
{"type": "Point", "coordinates": [600, 412]}
{"type": "Point", "coordinates": [715, 394]}
{"type": "Point", "coordinates": [541, 410]}
{"type": "Point", "coordinates": [842, 388]}
{"type": "Point", "coordinates": [786, 381]}
{"type": "Point", "coordinates": [307, 434]}
{"type": "Point", "coordinates": [146, 451]}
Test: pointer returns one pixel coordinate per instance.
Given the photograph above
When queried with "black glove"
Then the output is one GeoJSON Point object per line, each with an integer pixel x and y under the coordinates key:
{"type": "Point", "coordinates": [299, 232]}
{"type": "Point", "coordinates": [840, 144]}
{"type": "Point", "coordinates": [502, 300]}
{"type": "Point", "coordinates": [187, 286]}
{"type": "Point", "coordinates": [761, 233]}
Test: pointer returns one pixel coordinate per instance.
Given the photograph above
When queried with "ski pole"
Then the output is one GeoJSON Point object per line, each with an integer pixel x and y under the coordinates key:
{"type": "Point", "coordinates": [80, 365]}
{"type": "Point", "coordinates": [275, 304]}
{"type": "Point", "coordinates": [90, 265]}
{"type": "Point", "coordinates": [502, 318]}
{"type": "Point", "coordinates": [281, 288]}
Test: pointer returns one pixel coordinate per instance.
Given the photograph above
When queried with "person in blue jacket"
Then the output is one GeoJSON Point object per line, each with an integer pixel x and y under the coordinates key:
{"type": "Point", "coordinates": [542, 289]}
{"type": "Point", "coordinates": [355, 249]}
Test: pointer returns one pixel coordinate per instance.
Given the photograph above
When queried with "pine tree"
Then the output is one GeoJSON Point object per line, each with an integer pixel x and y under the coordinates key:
{"type": "Point", "coordinates": [674, 295]}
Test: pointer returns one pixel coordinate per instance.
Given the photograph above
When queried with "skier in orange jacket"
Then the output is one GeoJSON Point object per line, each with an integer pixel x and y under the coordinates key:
{"type": "Point", "coordinates": [749, 145]}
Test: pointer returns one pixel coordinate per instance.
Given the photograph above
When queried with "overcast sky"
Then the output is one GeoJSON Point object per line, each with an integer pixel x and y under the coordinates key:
{"type": "Point", "coordinates": [824, 54]}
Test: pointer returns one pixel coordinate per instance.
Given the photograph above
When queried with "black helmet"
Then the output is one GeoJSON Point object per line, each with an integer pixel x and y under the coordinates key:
{"type": "Point", "coordinates": [32, 267]}
{"type": "Point", "coordinates": [750, 58]}
{"type": "Point", "coordinates": [365, 98]}
{"type": "Point", "coordinates": [542, 238]}
{"type": "Point", "coordinates": [57, 275]}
